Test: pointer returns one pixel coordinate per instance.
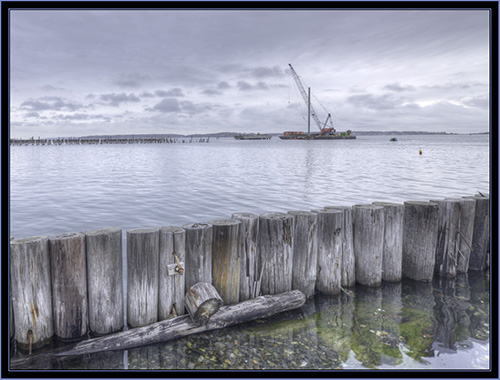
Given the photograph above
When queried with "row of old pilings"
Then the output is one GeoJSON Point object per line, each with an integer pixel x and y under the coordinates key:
{"type": "Point", "coordinates": [72, 284]}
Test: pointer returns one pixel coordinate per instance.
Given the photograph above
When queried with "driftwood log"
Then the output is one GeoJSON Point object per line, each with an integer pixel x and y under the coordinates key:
{"type": "Point", "coordinates": [393, 241]}
{"type": "Point", "coordinates": [172, 268]}
{"type": "Point", "coordinates": [143, 252]}
{"type": "Point", "coordinates": [305, 251]}
{"type": "Point", "coordinates": [257, 308]}
{"type": "Point", "coordinates": [368, 222]}
{"type": "Point", "coordinates": [31, 292]}
{"type": "Point", "coordinates": [348, 267]}
{"type": "Point", "coordinates": [420, 228]}
{"type": "Point", "coordinates": [198, 253]}
{"type": "Point", "coordinates": [68, 270]}
{"type": "Point", "coordinates": [202, 302]}
{"type": "Point", "coordinates": [248, 252]}
{"type": "Point", "coordinates": [225, 259]}
{"type": "Point", "coordinates": [105, 280]}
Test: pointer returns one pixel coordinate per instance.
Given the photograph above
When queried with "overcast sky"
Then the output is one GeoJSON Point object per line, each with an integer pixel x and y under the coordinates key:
{"type": "Point", "coordinates": [78, 73]}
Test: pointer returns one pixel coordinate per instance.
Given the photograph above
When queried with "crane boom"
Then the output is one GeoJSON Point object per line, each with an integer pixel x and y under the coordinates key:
{"type": "Point", "coordinates": [308, 103]}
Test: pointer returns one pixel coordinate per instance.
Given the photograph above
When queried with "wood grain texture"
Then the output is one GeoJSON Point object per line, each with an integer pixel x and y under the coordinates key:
{"type": "Point", "coordinates": [226, 259]}
{"type": "Point", "coordinates": [420, 229]}
{"type": "Point", "coordinates": [481, 234]}
{"type": "Point", "coordinates": [305, 251]}
{"type": "Point", "coordinates": [330, 226]}
{"type": "Point", "coordinates": [276, 252]}
{"type": "Point", "coordinates": [249, 257]}
{"type": "Point", "coordinates": [348, 266]}
{"type": "Point", "coordinates": [202, 302]}
{"type": "Point", "coordinates": [257, 308]}
{"type": "Point", "coordinates": [368, 235]}
{"type": "Point", "coordinates": [143, 260]}
{"type": "Point", "coordinates": [31, 295]}
{"type": "Point", "coordinates": [392, 265]}
{"type": "Point", "coordinates": [171, 286]}
{"type": "Point", "coordinates": [105, 280]}
{"type": "Point", "coordinates": [69, 285]}
{"type": "Point", "coordinates": [467, 215]}
{"type": "Point", "coordinates": [198, 253]}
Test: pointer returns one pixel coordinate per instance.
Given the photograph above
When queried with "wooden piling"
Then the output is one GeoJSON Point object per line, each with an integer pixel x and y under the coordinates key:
{"type": "Point", "coordinates": [348, 266]}
{"type": "Point", "coordinates": [105, 280]}
{"type": "Point", "coordinates": [31, 296]}
{"type": "Point", "coordinates": [68, 268]}
{"type": "Point", "coordinates": [172, 276]}
{"type": "Point", "coordinates": [330, 226]}
{"type": "Point", "coordinates": [225, 259]}
{"type": "Point", "coordinates": [305, 251]}
{"type": "Point", "coordinates": [143, 251]}
{"type": "Point", "coordinates": [481, 234]}
{"type": "Point", "coordinates": [368, 236]}
{"type": "Point", "coordinates": [248, 252]}
{"type": "Point", "coordinates": [392, 266]}
{"type": "Point", "coordinates": [276, 252]}
{"type": "Point", "coordinates": [198, 253]}
{"type": "Point", "coordinates": [467, 214]}
{"type": "Point", "coordinates": [420, 229]}
{"type": "Point", "coordinates": [448, 234]}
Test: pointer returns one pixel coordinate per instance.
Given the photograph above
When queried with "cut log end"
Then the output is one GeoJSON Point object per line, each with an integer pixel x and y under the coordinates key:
{"type": "Point", "coordinates": [202, 302]}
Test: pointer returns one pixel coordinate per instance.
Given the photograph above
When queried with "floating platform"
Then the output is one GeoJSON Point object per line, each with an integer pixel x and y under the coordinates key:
{"type": "Point", "coordinates": [316, 136]}
{"type": "Point", "coordinates": [252, 136]}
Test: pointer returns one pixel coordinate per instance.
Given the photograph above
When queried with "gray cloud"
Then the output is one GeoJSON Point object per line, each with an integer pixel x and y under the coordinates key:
{"type": "Point", "coordinates": [166, 105]}
{"type": "Point", "coordinates": [266, 72]}
{"type": "Point", "coordinates": [175, 92]}
{"type": "Point", "coordinates": [397, 87]}
{"type": "Point", "coordinates": [133, 80]}
{"type": "Point", "coordinates": [49, 103]}
{"type": "Point", "coordinates": [376, 102]}
{"type": "Point", "coordinates": [115, 99]}
{"type": "Point", "coordinates": [245, 86]}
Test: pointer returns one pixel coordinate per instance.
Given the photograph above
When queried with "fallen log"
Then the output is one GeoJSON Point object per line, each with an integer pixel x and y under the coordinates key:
{"type": "Point", "coordinates": [170, 329]}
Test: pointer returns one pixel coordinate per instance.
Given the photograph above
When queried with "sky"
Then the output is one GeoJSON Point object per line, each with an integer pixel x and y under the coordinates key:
{"type": "Point", "coordinates": [92, 72]}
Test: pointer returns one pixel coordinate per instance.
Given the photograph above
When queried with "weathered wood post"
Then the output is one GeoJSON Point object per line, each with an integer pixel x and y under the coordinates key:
{"type": "Point", "coordinates": [202, 302]}
{"type": "Point", "coordinates": [143, 253]}
{"type": "Point", "coordinates": [276, 252]}
{"type": "Point", "coordinates": [225, 259]}
{"type": "Point", "coordinates": [105, 280]}
{"type": "Point", "coordinates": [31, 296]}
{"type": "Point", "coordinates": [68, 270]}
{"type": "Point", "coordinates": [481, 234]}
{"type": "Point", "coordinates": [368, 227]}
{"type": "Point", "coordinates": [448, 234]}
{"type": "Point", "coordinates": [199, 238]}
{"type": "Point", "coordinates": [392, 265]}
{"type": "Point", "coordinates": [420, 229]}
{"type": "Point", "coordinates": [305, 251]}
{"type": "Point", "coordinates": [249, 259]}
{"type": "Point", "coordinates": [172, 276]}
{"type": "Point", "coordinates": [330, 225]}
{"type": "Point", "coordinates": [348, 266]}
{"type": "Point", "coordinates": [468, 210]}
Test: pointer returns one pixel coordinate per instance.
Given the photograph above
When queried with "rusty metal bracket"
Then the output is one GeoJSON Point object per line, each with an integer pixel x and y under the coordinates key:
{"type": "Point", "coordinates": [179, 269]}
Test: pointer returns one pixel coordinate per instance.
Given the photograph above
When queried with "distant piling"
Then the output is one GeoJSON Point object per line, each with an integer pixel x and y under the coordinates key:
{"type": "Point", "coordinates": [69, 285]}
{"type": "Point", "coordinates": [420, 230]}
{"type": "Point", "coordinates": [305, 252]}
{"type": "Point", "coordinates": [172, 278]}
{"type": "Point", "coordinates": [199, 237]}
{"type": "Point", "coordinates": [143, 251]}
{"type": "Point", "coordinates": [31, 297]}
{"type": "Point", "coordinates": [225, 259]}
{"type": "Point", "coordinates": [369, 227]}
{"type": "Point", "coordinates": [105, 280]}
{"type": "Point", "coordinates": [276, 252]}
{"type": "Point", "coordinates": [249, 258]}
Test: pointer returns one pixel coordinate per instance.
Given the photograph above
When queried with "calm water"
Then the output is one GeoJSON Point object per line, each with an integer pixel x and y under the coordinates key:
{"type": "Point", "coordinates": [57, 189]}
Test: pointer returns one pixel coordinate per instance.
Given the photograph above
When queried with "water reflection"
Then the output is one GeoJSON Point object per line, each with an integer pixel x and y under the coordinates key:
{"type": "Point", "coordinates": [406, 325]}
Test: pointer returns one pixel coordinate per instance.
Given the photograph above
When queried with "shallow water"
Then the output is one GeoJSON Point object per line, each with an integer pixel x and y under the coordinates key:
{"type": "Point", "coordinates": [57, 189]}
{"type": "Point", "coordinates": [407, 325]}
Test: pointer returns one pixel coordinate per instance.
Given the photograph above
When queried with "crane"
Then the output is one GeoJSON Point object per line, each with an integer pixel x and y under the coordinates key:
{"type": "Point", "coordinates": [322, 126]}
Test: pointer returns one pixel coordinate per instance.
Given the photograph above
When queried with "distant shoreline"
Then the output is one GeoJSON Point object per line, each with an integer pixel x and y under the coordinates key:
{"type": "Point", "coordinates": [232, 134]}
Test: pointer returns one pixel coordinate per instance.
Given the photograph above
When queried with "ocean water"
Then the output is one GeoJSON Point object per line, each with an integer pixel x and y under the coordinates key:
{"type": "Point", "coordinates": [57, 189]}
